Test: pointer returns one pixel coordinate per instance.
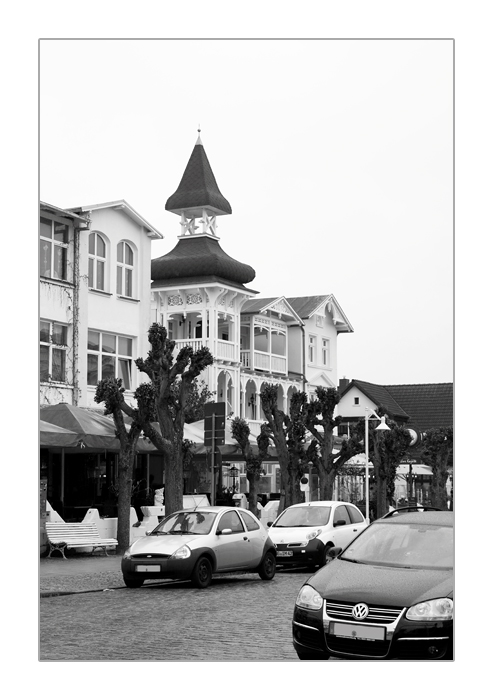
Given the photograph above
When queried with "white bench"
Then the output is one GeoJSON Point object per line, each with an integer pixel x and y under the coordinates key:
{"type": "Point", "coordinates": [63, 536]}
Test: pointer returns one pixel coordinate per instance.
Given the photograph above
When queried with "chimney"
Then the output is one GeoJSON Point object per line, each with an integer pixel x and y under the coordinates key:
{"type": "Point", "coordinates": [343, 383]}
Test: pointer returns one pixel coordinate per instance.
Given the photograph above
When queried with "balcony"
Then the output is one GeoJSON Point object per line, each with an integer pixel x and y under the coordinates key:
{"type": "Point", "coordinates": [264, 361]}
{"type": "Point", "coordinates": [225, 349]}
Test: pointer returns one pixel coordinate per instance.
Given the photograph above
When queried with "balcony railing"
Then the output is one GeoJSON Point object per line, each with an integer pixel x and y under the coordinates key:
{"type": "Point", "coordinates": [225, 349]}
{"type": "Point", "coordinates": [264, 361]}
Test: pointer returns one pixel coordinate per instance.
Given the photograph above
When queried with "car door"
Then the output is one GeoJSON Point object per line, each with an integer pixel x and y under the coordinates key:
{"type": "Point", "coordinates": [357, 519]}
{"type": "Point", "coordinates": [234, 549]}
{"type": "Point", "coordinates": [342, 535]}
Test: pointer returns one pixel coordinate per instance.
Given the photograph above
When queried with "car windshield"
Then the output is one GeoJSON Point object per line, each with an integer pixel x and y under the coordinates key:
{"type": "Point", "coordinates": [304, 516]}
{"type": "Point", "coordinates": [404, 545]}
{"type": "Point", "coordinates": [186, 523]}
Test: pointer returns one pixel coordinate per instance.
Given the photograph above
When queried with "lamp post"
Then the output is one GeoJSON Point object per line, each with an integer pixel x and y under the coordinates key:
{"type": "Point", "coordinates": [383, 426]}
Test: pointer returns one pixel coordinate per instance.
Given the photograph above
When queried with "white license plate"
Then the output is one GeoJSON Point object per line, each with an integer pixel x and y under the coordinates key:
{"type": "Point", "coordinates": [148, 567]}
{"type": "Point", "coordinates": [284, 554]}
{"type": "Point", "coordinates": [341, 629]}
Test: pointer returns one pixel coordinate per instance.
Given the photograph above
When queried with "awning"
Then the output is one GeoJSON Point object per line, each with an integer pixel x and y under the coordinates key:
{"type": "Point", "coordinates": [51, 435]}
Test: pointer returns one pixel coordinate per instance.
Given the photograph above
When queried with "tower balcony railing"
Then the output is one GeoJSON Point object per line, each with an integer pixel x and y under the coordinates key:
{"type": "Point", "coordinates": [264, 361]}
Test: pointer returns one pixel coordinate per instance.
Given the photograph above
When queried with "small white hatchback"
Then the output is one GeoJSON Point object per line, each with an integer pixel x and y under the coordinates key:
{"type": "Point", "coordinates": [304, 533]}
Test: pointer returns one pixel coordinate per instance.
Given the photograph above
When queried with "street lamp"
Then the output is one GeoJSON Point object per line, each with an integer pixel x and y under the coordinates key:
{"type": "Point", "coordinates": [383, 426]}
{"type": "Point", "coordinates": [234, 473]}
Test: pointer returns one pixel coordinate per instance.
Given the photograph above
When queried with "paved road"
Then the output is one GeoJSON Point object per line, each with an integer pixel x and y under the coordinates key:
{"type": "Point", "coordinates": [238, 618]}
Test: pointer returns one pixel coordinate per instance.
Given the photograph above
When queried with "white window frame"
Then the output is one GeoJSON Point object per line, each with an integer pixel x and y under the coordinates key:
{"type": "Point", "coordinates": [326, 352]}
{"type": "Point", "coordinates": [117, 356]}
{"type": "Point", "coordinates": [54, 347]}
{"type": "Point", "coordinates": [312, 349]}
{"type": "Point", "coordinates": [94, 259]}
{"type": "Point", "coordinates": [57, 248]}
{"type": "Point", "coordinates": [124, 270]}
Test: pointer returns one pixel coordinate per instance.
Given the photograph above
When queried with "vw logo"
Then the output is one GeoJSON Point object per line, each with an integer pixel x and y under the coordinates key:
{"type": "Point", "coordinates": [360, 611]}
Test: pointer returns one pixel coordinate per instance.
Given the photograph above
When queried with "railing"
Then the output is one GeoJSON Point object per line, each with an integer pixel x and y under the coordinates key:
{"type": "Point", "coordinates": [225, 348]}
{"type": "Point", "coordinates": [264, 361]}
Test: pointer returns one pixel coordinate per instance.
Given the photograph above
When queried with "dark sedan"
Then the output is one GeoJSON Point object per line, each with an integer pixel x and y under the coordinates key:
{"type": "Point", "coordinates": [388, 595]}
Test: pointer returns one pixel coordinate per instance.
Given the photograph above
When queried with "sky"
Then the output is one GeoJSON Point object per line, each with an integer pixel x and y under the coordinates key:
{"type": "Point", "coordinates": [336, 157]}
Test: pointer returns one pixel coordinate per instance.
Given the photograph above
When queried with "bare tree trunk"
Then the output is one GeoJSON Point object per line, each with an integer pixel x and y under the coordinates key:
{"type": "Point", "coordinates": [326, 484]}
{"type": "Point", "coordinates": [125, 473]}
{"type": "Point", "coordinates": [381, 492]}
{"type": "Point", "coordinates": [253, 484]}
{"type": "Point", "coordinates": [173, 480]}
{"type": "Point", "coordinates": [438, 489]}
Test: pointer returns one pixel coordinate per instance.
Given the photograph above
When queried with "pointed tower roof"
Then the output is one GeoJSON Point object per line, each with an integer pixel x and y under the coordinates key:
{"type": "Point", "coordinates": [198, 188]}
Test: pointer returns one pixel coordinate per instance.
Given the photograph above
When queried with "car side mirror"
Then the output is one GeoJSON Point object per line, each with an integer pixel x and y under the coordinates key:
{"type": "Point", "coordinates": [338, 523]}
{"type": "Point", "coordinates": [226, 531]}
{"type": "Point", "coordinates": [148, 532]}
{"type": "Point", "coordinates": [334, 552]}
{"type": "Point", "coordinates": [269, 523]}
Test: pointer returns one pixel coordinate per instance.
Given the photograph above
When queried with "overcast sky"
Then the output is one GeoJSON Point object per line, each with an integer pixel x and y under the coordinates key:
{"type": "Point", "coordinates": [336, 157]}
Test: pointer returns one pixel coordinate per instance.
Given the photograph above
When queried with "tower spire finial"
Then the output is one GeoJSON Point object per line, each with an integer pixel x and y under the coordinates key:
{"type": "Point", "coordinates": [199, 141]}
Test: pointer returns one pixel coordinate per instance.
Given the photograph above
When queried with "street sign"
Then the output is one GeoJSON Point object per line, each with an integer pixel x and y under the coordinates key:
{"type": "Point", "coordinates": [214, 424]}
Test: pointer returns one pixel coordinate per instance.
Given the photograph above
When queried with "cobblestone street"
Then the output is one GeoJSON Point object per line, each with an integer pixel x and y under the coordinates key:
{"type": "Point", "coordinates": [238, 618]}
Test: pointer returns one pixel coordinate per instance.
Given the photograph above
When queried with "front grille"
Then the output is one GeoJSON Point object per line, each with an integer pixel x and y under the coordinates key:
{"type": "Point", "coordinates": [382, 614]}
{"type": "Point", "coordinates": [358, 647]}
{"type": "Point", "coordinates": [147, 557]}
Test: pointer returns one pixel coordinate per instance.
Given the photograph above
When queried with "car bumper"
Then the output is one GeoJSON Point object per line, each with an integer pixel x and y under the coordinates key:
{"type": "Point", "coordinates": [310, 554]}
{"type": "Point", "coordinates": [313, 632]}
{"type": "Point", "coordinates": [158, 568]}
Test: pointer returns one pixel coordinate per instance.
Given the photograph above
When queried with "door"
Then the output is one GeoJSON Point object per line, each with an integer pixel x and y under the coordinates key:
{"type": "Point", "coordinates": [342, 535]}
{"type": "Point", "coordinates": [233, 550]}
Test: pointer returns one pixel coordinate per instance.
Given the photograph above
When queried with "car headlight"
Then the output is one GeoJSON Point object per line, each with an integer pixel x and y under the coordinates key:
{"type": "Point", "coordinates": [181, 553]}
{"type": "Point", "coordinates": [309, 598]}
{"type": "Point", "coordinates": [127, 554]}
{"type": "Point", "coordinates": [313, 534]}
{"type": "Point", "coordinates": [436, 609]}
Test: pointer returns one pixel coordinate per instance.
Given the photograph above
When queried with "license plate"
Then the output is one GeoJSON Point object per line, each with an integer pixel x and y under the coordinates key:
{"type": "Point", "coordinates": [148, 567]}
{"type": "Point", "coordinates": [341, 629]}
{"type": "Point", "coordinates": [284, 553]}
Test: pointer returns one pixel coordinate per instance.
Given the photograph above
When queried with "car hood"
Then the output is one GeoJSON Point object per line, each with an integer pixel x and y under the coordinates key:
{"type": "Point", "coordinates": [290, 534]}
{"type": "Point", "coordinates": [380, 585]}
{"type": "Point", "coordinates": [161, 544]}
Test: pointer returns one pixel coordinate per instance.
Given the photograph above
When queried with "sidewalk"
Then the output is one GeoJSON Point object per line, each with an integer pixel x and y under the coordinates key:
{"type": "Point", "coordinates": [79, 572]}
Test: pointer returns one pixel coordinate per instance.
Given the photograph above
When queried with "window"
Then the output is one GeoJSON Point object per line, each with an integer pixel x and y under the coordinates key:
{"type": "Point", "coordinates": [356, 400]}
{"type": "Point", "coordinates": [109, 356]}
{"type": "Point", "coordinates": [53, 246]}
{"type": "Point", "coordinates": [231, 520]}
{"type": "Point", "coordinates": [250, 522]}
{"type": "Point", "coordinates": [52, 351]}
{"type": "Point", "coordinates": [124, 269]}
{"type": "Point", "coordinates": [356, 516]}
{"type": "Point", "coordinates": [311, 348]}
{"type": "Point", "coordinates": [97, 261]}
{"type": "Point", "coordinates": [341, 514]}
{"type": "Point", "coordinates": [325, 352]}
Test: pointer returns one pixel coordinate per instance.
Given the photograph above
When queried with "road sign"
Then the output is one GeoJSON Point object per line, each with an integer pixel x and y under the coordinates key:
{"type": "Point", "coordinates": [214, 424]}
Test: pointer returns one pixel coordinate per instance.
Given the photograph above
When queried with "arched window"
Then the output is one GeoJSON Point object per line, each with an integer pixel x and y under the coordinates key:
{"type": "Point", "coordinates": [124, 269]}
{"type": "Point", "coordinates": [97, 261]}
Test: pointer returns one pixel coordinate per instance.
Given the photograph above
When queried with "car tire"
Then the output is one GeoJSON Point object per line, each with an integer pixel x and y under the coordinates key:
{"type": "Point", "coordinates": [202, 573]}
{"type": "Point", "coordinates": [133, 582]}
{"type": "Point", "coordinates": [267, 568]}
{"type": "Point", "coordinates": [312, 656]}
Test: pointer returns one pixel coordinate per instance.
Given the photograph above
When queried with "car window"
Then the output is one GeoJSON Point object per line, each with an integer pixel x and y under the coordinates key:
{"type": "Point", "coordinates": [356, 516]}
{"type": "Point", "coordinates": [341, 514]}
{"type": "Point", "coordinates": [304, 516]}
{"type": "Point", "coordinates": [250, 522]}
{"type": "Point", "coordinates": [196, 523]}
{"type": "Point", "coordinates": [231, 520]}
{"type": "Point", "coordinates": [404, 545]}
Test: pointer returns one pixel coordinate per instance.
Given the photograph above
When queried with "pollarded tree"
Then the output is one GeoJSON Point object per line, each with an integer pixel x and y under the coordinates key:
{"type": "Point", "coordinates": [318, 417]}
{"type": "Point", "coordinates": [253, 462]}
{"type": "Point", "coordinates": [172, 382]}
{"type": "Point", "coordinates": [111, 393]}
{"type": "Point", "coordinates": [288, 435]}
{"type": "Point", "coordinates": [438, 445]}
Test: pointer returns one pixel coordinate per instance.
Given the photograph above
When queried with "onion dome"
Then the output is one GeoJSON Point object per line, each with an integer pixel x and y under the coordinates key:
{"type": "Point", "coordinates": [199, 257]}
{"type": "Point", "coordinates": [198, 188]}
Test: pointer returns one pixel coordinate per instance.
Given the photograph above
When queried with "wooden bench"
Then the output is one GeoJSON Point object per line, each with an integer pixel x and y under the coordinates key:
{"type": "Point", "coordinates": [63, 536]}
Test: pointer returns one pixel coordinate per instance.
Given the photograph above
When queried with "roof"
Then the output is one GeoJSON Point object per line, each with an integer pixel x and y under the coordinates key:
{"type": "Point", "coordinates": [127, 209]}
{"type": "Point", "coordinates": [199, 256]}
{"type": "Point", "coordinates": [303, 308]}
{"type": "Point", "coordinates": [421, 406]}
{"type": "Point", "coordinates": [43, 206]}
{"type": "Point", "coordinates": [197, 282]}
{"type": "Point", "coordinates": [198, 188]}
{"type": "Point", "coordinates": [276, 305]}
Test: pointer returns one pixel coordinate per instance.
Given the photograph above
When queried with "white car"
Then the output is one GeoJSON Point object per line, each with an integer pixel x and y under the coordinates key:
{"type": "Point", "coordinates": [304, 533]}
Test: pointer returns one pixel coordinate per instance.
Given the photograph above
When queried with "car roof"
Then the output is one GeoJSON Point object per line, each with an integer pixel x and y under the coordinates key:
{"type": "Point", "coordinates": [321, 503]}
{"type": "Point", "coordinates": [427, 517]}
{"type": "Point", "coordinates": [207, 509]}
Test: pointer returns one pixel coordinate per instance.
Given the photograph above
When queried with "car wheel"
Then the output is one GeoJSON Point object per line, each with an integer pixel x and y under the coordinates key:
{"type": "Point", "coordinates": [312, 656]}
{"type": "Point", "coordinates": [267, 568]}
{"type": "Point", "coordinates": [133, 582]}
{"type": "Point", "coordinates": [202, 573]}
